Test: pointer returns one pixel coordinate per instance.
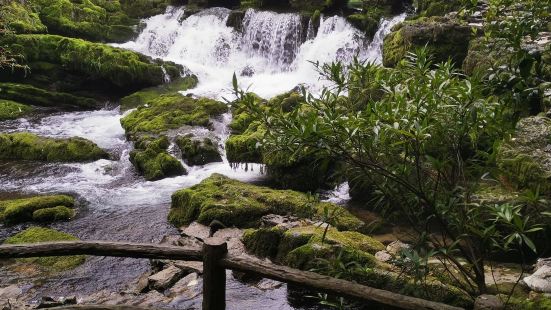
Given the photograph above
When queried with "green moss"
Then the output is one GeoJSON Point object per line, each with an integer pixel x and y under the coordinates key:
{"type": "Point", "coordinates": [524, 158]}
{"type": "Point", "coordinates": [147, 96]}
{"type": "Point", "coordinates": [22, 210]}
{"type": "Point", "coordinates": [445, 38]}
{"type": "Point", "coordinates": [59, 213]}
{"type": "Point", "coordinates": [263, 242]}
{"type": "Point", "coordinates": [154, 162]}
{"type": "Point", "coordinates": [171, 111]}
{"type": "Point", "coordinates": [239, 204]}
{"type": "Point", "coordinates": [20, 17]}
{"type": "Point", "coordinates": [198, 152]}
{"type": "Point", "coordinates": [244, 148]}
{"type": "Point", "coordinates": [12, 110]}
{"type": "Point", "coordinates": [120, 68]}
{"type": "Point", "coordinates": [39, 234]}
{"type": "Point", "coordinates": [437, 7]}
{"type": "Point", "coordinates": [27, 146]}
{"type": "Point", "coordinates": [365, 22]}
{"type": "Point", "coordinates": [539, 302]}
{"type": "Point", "coordinates": [28, 94]}
{"type": "Point", "coordinates": [484, 54]}
{"type": "Point", "coordinates": [144, 8]}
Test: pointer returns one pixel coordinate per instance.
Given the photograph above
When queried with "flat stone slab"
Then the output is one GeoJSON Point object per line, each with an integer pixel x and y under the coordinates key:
{"type": "Point", "coordinates": [165, 278]}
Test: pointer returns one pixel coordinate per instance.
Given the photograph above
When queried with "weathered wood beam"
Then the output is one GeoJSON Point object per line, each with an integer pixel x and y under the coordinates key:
{"type": "Point", "coordinates": [328, 284]}
{"type": "Point", "coordinates": [100, 248]}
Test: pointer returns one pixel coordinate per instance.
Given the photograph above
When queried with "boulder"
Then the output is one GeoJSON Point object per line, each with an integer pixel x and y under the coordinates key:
{"type": "Point", "coordinates": [540, 280]}
{"type": "Point", "coordinates": [436, 7]}
{"type": "Point", "coordinates": [39, 208]}
{"type": "Point", "coordinates": [154, 162]}
{"type": "Point", "coordinates": [394, 248]}
{"type": "Point", "coordinates": [383, 256]}
{"type": "Point", "coordinates": [165, 278]}
{"type": "Point", "coordinates": [446, 39]}
{"type": "Point", "coordinates": [27, 146]}
{"type": "Point", "coordinates": [239, 204]}
{"type": "Point", "coordinates": [198, 152]}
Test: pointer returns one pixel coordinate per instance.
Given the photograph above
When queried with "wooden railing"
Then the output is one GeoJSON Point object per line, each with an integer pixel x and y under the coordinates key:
{"type": "Point", "coordinates": [216, 260]}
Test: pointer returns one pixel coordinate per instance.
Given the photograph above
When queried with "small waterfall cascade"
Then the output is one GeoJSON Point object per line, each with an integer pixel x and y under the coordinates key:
{"type": "Point", "coordinates": [271, 55]}
{"type": "Point", "coordinates": [275, 37]}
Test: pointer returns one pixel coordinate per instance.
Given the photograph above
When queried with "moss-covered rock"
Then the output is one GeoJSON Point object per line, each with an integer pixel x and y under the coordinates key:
{"type": "Point", "coordinates": [436, 7]}
{"type": "Point", "coordinates": [12, 110]}
{"type": "Point", "coordinates": [27, 146]}
{"type": "Point", "coordinates": [59, 213]}
{"type": "Point", "coordinates": [526, 158]}
{"type": "Point", "coordinates": [171, 111]}
{"type": "Point", "coordinates": [484, 54]}
{"type": "Point", "coordinates": [445, 38]}
{"type": "Point", "coordinates": [153, 161]}
{"type": "Point", "coordinates": [49, 264]}
{"type": "Point", "coordinates": [263, 242]}
{"type": "Point", "coordinates": [20, 17]}
{"type": "Point", "coordinates": [239, 204]}
{"type": "Point", "coordinates": [23, 210]}
{"type": "Point", "coordinates": [29, 94]}
{"type": "Point", "coordinates": [244, 147]}
{"type": "Point", "coordinates": [145, 8]}
{"type": "Point", "coordinates": [149, 95]}
{"type": "Point", "coordinates": [198, 152]}
{"type": "Point", "coordinates": [123, 70]}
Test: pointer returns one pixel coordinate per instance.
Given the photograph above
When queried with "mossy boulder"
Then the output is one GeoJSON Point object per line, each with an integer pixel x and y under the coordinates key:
{"type": "Point", "coordinates": [19, 16]}
{"type": "Point", "coordinates": [59, 213]}
{"type": "Point", "coordinates": [49, 264]}
{"type": "Point", "coordinates": [436, 7]}
{"type": "Point", "coordinates": [445, 38]}
{"type": "Point", "coordinates": [198, 152]}
{"type": "Point", "coordinates": [526, 158]}
{"type": "Point", "coordinates": [96, 20]}
{"type": "Point", "coordinates": [240, 204]}
{"type": "Point", "coordinates": [153, 161]}
{"type": "Point", "coordinates": [29, 94]}
{"type": "Point", "coordinates": [485, 53]}
{"type": "Point", "coordinates": [27, 146]}
{"type": "Point", "coordinates": [245, 147]}
{"type": "Point", "coordinates": [12, 110]}
{"type": "Point", "coordinates": [122, 70]}
{"type": "Point", "coordinates": [149, 95]}
{"type": "Point", "coordinates": [22, 210]}
{"type": "Point", "coordinates": [171, 111]}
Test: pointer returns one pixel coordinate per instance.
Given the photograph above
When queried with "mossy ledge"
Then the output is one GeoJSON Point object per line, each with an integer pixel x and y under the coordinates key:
{"type": "Point", "coordinates": [29, 94]}
{"type": "Point", "coordinates": [148, 95]}
{"type": "Point", "coordinates": [28, 146]}
{"type": "Point", "coordinates": [41, 208]}
{"type": "Point", "coordinates": [302, 248]}
{"type": "Point", "coordinates": [12, 110]}
{"type": "Point", "coordinates": [48, 264]}
{"type": "Point", "coordinates": [446, 39]}
{"type": "Point", "coordinates": [122, 69]}
{"type": "Point", "coordinates": [242, 205]}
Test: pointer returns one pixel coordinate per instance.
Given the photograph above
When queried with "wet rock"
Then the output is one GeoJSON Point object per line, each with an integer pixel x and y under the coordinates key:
{"type": "Point", "coordinates": [488, 302]}
{"type": "Point", "coordinates": [394, 248]}
{"type": "Point", "coordinates": [198, 152]}
{"type": "Point", "coordinates": [189, 267]}
{"type": "Point", "coordinates": [540, 280]}
{"type": "Point", "coordinates": [196, 230]}
{"type": "Point", "coordinates": [283, 222]}
{"type": "Point", "coordinates": [165, 278]}
{"type": "Point", "coordinates": [49, 302]}
{"type": "Point", "coordinates": [383, 256]}
{"type": "Point", "coordinates": [235, 20]}
{"type": "Point", "coordinates": [247, 71]}
{"type": "Point", "coordinates": [185, 286]}
{"type": "Point", "coordinates": [142, 284]}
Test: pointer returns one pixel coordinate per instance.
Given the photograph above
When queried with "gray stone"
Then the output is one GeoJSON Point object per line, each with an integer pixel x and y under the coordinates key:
{"type": "Point", "coordinates": [394, 248]}
{"type": "Point", "coordinates": [189, 266]}
{"type": "Point", "coordinates": [540, 281]}
{"type": "Point", "coordinates": [383, 256]}
{"type": "Point", "coordinates": [185, 286]}
{"type": "Point", "coordinates": [165, 278]}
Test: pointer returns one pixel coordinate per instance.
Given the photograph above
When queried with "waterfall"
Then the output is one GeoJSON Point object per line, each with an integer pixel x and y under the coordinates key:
{"type": "Point", "coordinates": [271, 55]}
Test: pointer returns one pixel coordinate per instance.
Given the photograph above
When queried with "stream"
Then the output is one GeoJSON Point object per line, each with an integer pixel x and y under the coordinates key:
{"type": "Point", "coordinates": [271, 55]}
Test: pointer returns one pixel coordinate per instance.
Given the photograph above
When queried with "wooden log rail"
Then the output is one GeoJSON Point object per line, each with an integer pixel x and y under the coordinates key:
{"type": "Point", "coordinates": [215, 260]}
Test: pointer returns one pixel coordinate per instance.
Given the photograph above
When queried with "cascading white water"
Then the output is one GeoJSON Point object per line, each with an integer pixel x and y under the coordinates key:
{"type": "Point", "coordinates": [269, 55]}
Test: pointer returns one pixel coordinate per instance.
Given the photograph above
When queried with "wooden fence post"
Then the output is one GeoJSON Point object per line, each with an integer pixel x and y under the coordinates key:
{"type": "Point", "coordinates": [214, 275]}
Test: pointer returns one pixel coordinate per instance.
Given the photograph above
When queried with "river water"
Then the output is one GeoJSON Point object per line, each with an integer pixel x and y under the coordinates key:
{"type": "Point", "coordinates": [271, 55]}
